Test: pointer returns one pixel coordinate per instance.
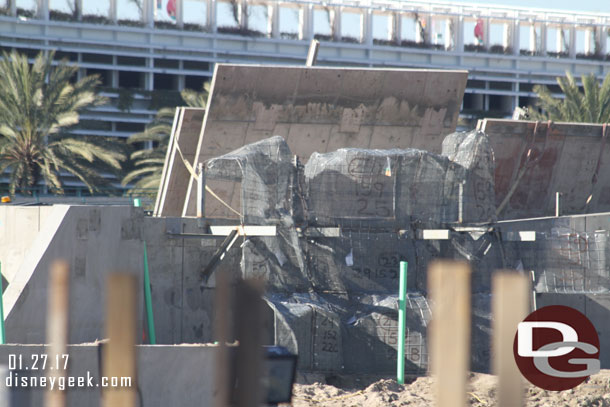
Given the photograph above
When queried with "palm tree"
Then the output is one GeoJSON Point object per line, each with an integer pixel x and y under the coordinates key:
{"type": "Point", "coordinates": [148, 163]}
{"type": "Point", "coordinates": [592, 105]}
{"type": "Point", "coordinates": [37, 104]}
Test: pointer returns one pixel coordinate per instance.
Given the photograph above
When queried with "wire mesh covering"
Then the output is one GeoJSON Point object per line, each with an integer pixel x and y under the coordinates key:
{"type": "Point", "coordinates": [403, 186]}
{"type": "Point", "coordinates": [565, 260]}
{"type": "Point", "coordinates": [334, 293]}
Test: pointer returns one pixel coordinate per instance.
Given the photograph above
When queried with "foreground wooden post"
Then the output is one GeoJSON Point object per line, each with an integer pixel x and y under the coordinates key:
{"type": "Point", "coordinates": [510, 304]}
{"type": "Point", "coordinates": [249, 331]}
{"type": "Point", "coordinates": [222, 301]}
{"type": "Point", "coordinates": [57, 329]}
{"type": "Point", "coordinates": [119, 358]}
{"type": "Point", "coordinates": [449, 330]}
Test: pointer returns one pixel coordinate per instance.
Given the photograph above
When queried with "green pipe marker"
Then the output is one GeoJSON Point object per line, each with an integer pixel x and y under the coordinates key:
{"type": "Point", "coordinates": [2, 333]}
{"type": "Point", "coordinates": [148, 300]}
{"type": "Point", "coordinates": [402, 323]}
{"type": "Point", "coordinates": [152, 338]}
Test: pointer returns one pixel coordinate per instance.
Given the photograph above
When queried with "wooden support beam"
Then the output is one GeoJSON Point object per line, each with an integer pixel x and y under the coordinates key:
{"type": "Point", "coordinates": [449, 330]}
{"type": "Point", "coordinates": [510, 305]}
{"type": "Point", "coordinates": [57, 329]}
{"type": "Point", "coordinates": [119, 358]}
{"type": "Point", "coordinates": [312, 54]}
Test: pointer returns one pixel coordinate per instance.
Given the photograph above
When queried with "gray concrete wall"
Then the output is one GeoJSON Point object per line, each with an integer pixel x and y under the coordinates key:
{"type": "Point", "coordinates": [95, 241]}
{"type": "Point", "coordinates": [166, 375]}
{"type": "Point", "coordinates": [19, 227]}
{"type": "Point", "coordinates": [570, 158]}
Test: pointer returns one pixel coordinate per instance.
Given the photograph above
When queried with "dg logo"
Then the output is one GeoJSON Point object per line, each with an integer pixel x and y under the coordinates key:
{"type": "Point", "coordinates": [556, 348]}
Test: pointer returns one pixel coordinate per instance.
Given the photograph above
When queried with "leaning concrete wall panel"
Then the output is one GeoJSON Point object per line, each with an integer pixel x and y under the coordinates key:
{"type": "Point", "coordinates": [94, 241]}
{"type": "Point", "coordinates": [534, 161]}
{"type": "Point", "coordinates": [319, 109]}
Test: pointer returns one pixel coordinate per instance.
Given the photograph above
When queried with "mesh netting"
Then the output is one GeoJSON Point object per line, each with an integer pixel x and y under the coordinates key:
{"type": "Point", "coordinates": [566, 260]}
{"type": "Point", "coordinates": [344, 222]}
{"type": "Point", "coordinates": [263, 169]}
{"type": "Point", "coordinates": [403, 186]}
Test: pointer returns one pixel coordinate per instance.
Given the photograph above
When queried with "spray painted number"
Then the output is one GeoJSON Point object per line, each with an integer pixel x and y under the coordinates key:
{"type": "Point", "coordinates": [375, 207]}
{"type": "Point", "coordinates": [388, 260]}
{"type": "Point", "coordinates": [375, 273]}
{"type": "Point", "coordinates": [364, 166]}
{"type": "Point", "coordinates": [414, 355]}
{"type": "Point", "coordinates": [330, 342]}
{"type": "Point", "coordinates": [364, 188]}
{"type": "Point", "coordinates": [259, 268]}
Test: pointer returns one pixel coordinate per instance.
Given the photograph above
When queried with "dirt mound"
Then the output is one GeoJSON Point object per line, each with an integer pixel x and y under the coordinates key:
{"type": "Point", "coordinates": [595, 392]}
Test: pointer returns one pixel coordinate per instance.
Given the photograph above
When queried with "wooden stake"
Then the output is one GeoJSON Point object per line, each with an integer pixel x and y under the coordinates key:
{"type": "Point", "coordinates": [449, 330]}
{"type": "Point", "coordinates": [119, 358]}
{"type": "Point", "coordinates": [222, 301]}
{"type": "Point", "coordinates": [57, 329]}
{"type": "Point", "coordinates": [249, 332]}
{"type": "Point", "coordinates": [312, 54]}
{"type": "Point", "coordinates": [510, 304]}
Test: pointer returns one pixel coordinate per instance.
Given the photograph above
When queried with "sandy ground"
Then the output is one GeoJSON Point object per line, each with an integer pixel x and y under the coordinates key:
{"type": "Point", "coordinates": [482, 388]}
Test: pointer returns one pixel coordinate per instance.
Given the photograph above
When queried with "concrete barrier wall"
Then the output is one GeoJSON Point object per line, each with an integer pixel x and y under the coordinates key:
{"type": "Point", "coordinates": [19, 227]}
{"type": "Point", "coordinates": [166, 375]}
{"type": "Point", "coordinates": [96, 241]}
{"type": "Point", "coordinates": [570, 158]}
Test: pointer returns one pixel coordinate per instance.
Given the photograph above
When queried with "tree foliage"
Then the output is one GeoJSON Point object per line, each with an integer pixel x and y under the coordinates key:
{"type": "Point", "coordinates": [148, 163]}
{"type": "Point", "coordinates": [38, 103]}
{"type": "Point", "coordinates": [591, 105]}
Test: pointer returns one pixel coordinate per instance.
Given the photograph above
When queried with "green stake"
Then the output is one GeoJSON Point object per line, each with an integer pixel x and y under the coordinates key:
{"type": "Point", "coordinates": [402, 323]}
{"type": "Point", "coordinates": [2, 333]}
{"type": "Point", "coordinates": [152, 338]}
{"type": "Point", "coordinates": [148, 299]}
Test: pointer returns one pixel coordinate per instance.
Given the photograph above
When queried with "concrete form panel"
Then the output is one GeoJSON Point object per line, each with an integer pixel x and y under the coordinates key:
{"type": "Point", "coordinates": [93, 247]}
{"type": "Point", "coordinates": [573, 159]}
{"type": "Point", "coordinates": [313, 107]}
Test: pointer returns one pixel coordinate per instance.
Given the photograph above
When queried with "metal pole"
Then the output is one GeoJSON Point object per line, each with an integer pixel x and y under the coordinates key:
{"type": "Point", "coordinates": [402, 319]}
